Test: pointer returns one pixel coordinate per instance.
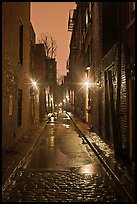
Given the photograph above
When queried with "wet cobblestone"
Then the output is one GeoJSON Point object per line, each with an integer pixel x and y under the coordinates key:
{"type": "Point", "coordinates": [57, 186]}
{"type": "Point", "coordinates": [124, 171]}
{"type": "Point", "coordinates": [41, 185]}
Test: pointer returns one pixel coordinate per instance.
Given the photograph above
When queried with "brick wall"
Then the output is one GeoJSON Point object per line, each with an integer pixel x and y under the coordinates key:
{"type": "Point", "coordinates": [99, 64]}
{"type": "Point", "coordinates": [98, 96]}
{"type": "Point", "coordinates": [14, 75]}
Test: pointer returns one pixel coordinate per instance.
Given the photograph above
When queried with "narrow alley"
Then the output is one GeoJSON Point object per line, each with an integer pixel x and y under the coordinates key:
{"type": "Point", "coordinates": [68, 102]}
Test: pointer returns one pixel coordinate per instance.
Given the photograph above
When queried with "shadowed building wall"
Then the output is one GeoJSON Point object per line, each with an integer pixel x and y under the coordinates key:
{"type": "Point", "coordinates": [103, 41]}
{"type": "Point", "coordinates": [39, 76]}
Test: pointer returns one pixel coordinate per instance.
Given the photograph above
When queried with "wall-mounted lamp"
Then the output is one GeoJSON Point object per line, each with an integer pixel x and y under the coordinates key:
{"type": "Point", "coordinates": [87, 68]}
{"type": "Point", "coordinates": [86, 84]}
{"type": "Point", "coordinates": [34, 84]}
{"type": "Point", "coordinates": [98, 83]}
{"type": "Point", "coordinates": [67, 97]}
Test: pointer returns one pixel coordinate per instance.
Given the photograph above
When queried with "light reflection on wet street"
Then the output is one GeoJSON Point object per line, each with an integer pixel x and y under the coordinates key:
{"type": "Point", "coordinates": [61, 168]}
{"type": "Point", "coordinates": [60, 147]}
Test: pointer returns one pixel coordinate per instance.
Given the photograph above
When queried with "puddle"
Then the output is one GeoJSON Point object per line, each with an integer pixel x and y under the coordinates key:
{"type": "Point", "coordinates": [90, 169]}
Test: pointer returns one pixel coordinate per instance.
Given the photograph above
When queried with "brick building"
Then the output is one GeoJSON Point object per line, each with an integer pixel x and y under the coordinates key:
{"type": "Point", "coordinates": [102, 54]}
{"type": "Point", "coordinates": [39, 75]}
{"type": "Point", "coordinates": [16, 119]}
{"type": "Point", "coordinates": [51, 80]}
{"type": "Point", "coordinates": [32, 50]}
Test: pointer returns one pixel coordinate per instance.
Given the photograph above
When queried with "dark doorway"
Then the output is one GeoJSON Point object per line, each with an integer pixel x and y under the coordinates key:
{"type": "Point", "coordinates": [109, 106]}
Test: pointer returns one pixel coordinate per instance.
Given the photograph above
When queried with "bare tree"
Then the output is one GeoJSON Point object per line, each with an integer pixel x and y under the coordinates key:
{"type": "Point", "coordinates": [49, 45]}
{"type": "Point", "coordinates": [60, 80]}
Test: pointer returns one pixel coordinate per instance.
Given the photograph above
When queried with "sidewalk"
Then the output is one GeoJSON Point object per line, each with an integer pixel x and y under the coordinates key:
{"type": "Point", "coordinates": [12, 157]}
{"type": "Point", "coordinates": [123, 172]}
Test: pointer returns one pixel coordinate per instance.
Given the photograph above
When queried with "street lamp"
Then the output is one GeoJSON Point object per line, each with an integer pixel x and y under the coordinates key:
{"type": "Point", "coordinates": [87, 68]}
{"type": "Point", "coordinates": [86, 84]}
{"type": "Point", "coordinates": [34, 84]}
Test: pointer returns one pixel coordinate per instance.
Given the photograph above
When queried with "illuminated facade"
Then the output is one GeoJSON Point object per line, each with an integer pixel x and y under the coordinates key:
{"type": "Point", "coordinates": [16, 118]}
{"type": "Point", "coordinates": [32, 88]}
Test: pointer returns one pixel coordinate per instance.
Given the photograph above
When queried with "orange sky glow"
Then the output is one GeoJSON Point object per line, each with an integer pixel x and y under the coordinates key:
{"type": "Point", "coordinates": [52, 18]}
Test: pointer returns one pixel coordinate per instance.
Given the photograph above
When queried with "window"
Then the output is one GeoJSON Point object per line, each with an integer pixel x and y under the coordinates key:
{"type": "Point", "coordinates": [21, 43]}
{"type": "Point", "coordinates": [19, 107]}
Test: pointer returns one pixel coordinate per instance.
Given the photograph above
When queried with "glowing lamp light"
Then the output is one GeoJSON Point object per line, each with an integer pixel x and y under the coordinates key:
{"type": "Point", "coordinates": [34, 83]}
{"type": "Point", "coordinates": [86, 83]}
{"type": "Point", "coordinates": [60, 104]}
{"type": "Point", "coordinates": [87, 68]}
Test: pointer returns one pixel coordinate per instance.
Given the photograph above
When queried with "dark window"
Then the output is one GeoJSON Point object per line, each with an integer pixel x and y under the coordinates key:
{"type": "Point", "coordinates": [19, 106]}
{"type": "Point", "coordinates": [21, 44]}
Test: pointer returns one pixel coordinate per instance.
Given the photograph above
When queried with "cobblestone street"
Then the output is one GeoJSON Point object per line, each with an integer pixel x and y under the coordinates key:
{"type": "Point", "coordinates": [58, 186]}
{"type": "Point", "coordinates": [67, 179]}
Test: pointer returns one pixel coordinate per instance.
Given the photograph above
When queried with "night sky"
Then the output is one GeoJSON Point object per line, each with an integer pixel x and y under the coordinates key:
{"type": "Point", "coordinates": [52, 18]}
